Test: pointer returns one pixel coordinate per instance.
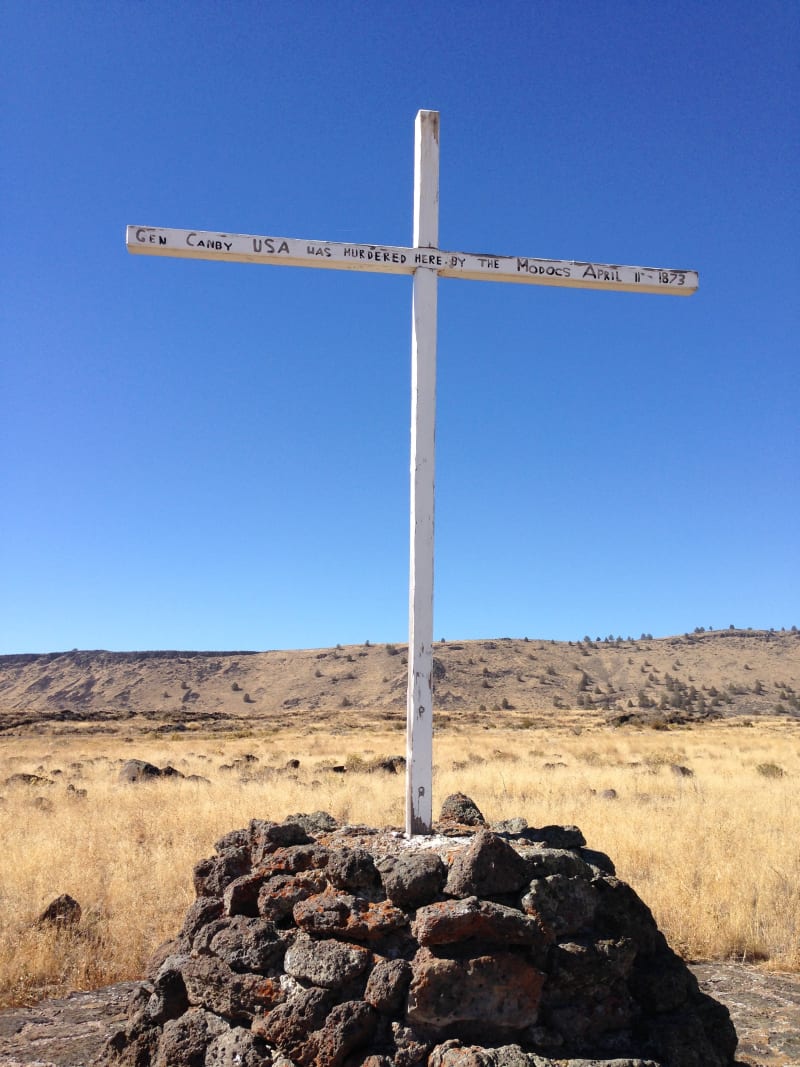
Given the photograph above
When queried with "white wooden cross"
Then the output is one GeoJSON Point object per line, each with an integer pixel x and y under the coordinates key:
{"type": "Point", "coordinates": [427, 263]}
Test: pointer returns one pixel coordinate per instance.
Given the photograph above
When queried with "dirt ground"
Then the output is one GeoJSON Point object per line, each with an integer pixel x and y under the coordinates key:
{"type": "Point", "coordinates": [765, 1008]}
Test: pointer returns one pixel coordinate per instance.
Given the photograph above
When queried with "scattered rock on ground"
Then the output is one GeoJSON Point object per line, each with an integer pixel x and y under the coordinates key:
{"type": "Point", "coordinates": [460, 809]}
{"type": "Point", "coordinates": [23, 778]}
{"type": "Point", "coordinates": [138, 770]}
{"type": "Point", "coordinates": [63, 911]}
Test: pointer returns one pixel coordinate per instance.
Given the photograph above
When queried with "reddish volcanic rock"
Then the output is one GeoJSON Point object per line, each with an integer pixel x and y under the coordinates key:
{"type": "Point", "coordinates": [487, 867]}
{"type": "Point", "coordinates": [472, 919]}
{"type": "Point", "coordinates": [332, 913]}
{"type": "Point", "coordinates": [312, 945]}
{"type": "Point", "coordinates": [498, 992]}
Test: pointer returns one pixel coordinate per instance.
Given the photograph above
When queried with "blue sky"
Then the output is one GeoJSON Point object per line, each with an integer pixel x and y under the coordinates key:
{"type": "Point", "coordinates": [215, 456]}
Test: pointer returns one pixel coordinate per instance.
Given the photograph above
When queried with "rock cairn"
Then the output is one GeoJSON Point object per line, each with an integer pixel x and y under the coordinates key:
{"type": "Point", "coordinates": [319, 945]}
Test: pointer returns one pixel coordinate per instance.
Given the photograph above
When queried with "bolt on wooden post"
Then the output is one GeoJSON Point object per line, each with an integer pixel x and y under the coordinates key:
{"type": "Point", "coordinates": [426, 262]}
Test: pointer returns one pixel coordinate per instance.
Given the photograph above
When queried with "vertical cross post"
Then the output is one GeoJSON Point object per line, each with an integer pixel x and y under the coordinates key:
{"type": "Point", "coordinates": [419, 708]}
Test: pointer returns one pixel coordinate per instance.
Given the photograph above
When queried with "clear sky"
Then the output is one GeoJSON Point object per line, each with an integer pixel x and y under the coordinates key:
{"type": "Point", "coordinates": [213, 456]}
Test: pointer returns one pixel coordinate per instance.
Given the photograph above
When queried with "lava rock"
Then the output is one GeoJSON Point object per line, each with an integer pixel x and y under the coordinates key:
{"type": "Point", "coordinates": [412, 878]}
{"type": "Point", "coordinates": [496, 993]}
{"type": "Point", "coordinates": [328, 963]}
{"type": "Point", "coordinates": [462, 810]}
{"type": "Point", "coordinates": [387, 985]}
{"type": "Point", "coordinates": [453, 921]}
{"type": "Point", "coordinates": [63, 911]}
{"type": "Point", "coordinates": [488, 866]}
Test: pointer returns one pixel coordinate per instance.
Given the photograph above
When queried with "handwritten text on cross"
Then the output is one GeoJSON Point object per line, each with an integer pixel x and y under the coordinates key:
{"type": "Point", "coordinates": [295, 252]}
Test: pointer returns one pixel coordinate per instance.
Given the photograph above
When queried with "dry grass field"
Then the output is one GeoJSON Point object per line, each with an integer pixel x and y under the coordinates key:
{"type": "Point", "coordinates": [715, 852]}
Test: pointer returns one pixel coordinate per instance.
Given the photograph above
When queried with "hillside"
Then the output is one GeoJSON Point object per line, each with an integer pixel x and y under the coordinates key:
{"type": "Point", "coordinates": [520, 682]}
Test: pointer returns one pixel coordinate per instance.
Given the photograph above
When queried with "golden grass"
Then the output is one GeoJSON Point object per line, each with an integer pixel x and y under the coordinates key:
{"type": "Point", "coordinates": [716, 855]}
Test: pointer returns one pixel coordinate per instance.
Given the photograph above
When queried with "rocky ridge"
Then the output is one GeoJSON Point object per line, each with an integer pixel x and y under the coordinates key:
{"type": "Point", "coordinates": [516, 682]}
{"type": "Point", "coordinates": [322, 945]}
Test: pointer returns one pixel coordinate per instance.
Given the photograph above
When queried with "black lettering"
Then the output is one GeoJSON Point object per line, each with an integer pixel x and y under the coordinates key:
{"type": "Point", "coordinates": [283, 247]}
{"type": "Point", "coordinates": [525, 266]}
{"type": "Point", "coordinates": [189, 237]}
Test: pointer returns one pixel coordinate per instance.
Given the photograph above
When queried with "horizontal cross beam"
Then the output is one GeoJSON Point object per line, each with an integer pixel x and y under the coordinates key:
{"type": "Point", "coordinates": [387, 259]}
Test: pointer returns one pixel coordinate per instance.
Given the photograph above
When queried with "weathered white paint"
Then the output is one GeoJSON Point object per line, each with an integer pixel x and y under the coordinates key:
{"type": "Point", "coordinates": [419, 702]}
{"type": "Point", "coordinates": [388, 259]}
{"type": "Point", "coordinates": [427, 263]}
